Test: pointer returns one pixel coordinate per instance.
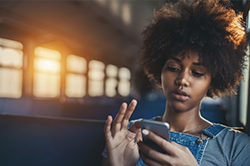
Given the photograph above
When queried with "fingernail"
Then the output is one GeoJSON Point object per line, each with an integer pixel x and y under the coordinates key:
{"type": "Point", "coordinates": [134, 101]}
{"type": "Point", "coordinates": [145, 132]}
{"type": "Point", "coordinates": [137, 140]}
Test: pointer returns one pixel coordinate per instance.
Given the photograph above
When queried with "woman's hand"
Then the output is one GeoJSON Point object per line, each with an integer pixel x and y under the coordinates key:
{"type": "Point", "coordinates": [176, 154]}
{"type": "Point", "coordinates": [122, 149]}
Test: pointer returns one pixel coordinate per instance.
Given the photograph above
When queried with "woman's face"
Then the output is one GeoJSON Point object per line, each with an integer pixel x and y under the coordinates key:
{"type": "Point", "coordinates": [185, 81]}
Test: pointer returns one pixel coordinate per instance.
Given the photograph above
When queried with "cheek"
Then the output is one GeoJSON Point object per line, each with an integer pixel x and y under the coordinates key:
{"type": "Point", "coordinates": [203, 87]}
{"type": "Point", "coordinates": [167, 81]}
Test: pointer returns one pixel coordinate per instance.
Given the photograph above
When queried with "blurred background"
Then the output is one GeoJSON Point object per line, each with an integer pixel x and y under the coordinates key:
{"type": "Point", "coordinates": [66, 65]}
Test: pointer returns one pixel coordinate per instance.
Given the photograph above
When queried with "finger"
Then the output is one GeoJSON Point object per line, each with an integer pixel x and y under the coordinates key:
{"type": "Point", "coordinates": [179, 146]}
{"type": "Point", "coordinates": [147, 160]}
{"type": "Point", "coordinates": [128, 113]}
{"type": "Point", "coordinates": [107, 132]}
{"type": "Point", "coordinates": [134, 128]}
{"type": "Point", "coordinates": [171, 148]}
{"type": "Point", "coordinates": [147, 154]}
{"type": "Point", "coordinates": [151, 155]}
{"type": "Point", "coordinates": [167, 146]}
{"type": "Point", "coordinates": [138, 136]}
{"type": "Point", "coordinates": [118, 119]}
{"type": "Point", "coordinates": [164, 144]}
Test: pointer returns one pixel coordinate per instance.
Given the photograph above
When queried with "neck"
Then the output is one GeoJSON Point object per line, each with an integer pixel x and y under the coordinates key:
{"type": "Point", "coordinates": [189, 121]}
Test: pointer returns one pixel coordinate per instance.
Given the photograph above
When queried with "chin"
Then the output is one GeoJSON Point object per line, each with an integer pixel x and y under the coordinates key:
{"type": "Point", "coordinates": [179, 107]}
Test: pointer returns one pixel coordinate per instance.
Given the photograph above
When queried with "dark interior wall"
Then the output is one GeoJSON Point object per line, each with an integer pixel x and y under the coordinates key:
{"type": "Point", "coordinates": [38, 141]}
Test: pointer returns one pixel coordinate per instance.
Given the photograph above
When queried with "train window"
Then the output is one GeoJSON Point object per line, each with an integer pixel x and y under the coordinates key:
{"type": "Point", "coordinates": [244, 92]}
{"type": "Point", "coordinates": [11, 63]}
{"type": "Point", "coordinates": [114, 6]}
{"type": "Point", "coordinates": [75, 78]}
{"type": "Point", "coordinates": [47, 68]}
{"type": "Point", "coordinates": [111, 81]}
{"type": "Point", "coordinates": [126, 13]}
{"type": "Point", "coordinates": [101, 2]}
{"type": "Point", "coordinates": [124, 83]}
{"type": "Point", "coordinates": [96, 78]}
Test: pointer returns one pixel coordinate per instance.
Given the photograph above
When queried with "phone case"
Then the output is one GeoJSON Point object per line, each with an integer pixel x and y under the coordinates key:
{"type": "Point", "coordinates": [159, 128]}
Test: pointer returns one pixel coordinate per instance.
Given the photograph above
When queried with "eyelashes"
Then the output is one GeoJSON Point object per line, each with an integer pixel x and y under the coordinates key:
{"type": "Point", "coordinates": [194, 73]}
{"type": "Point", "coordinates": [197, 74]}
{"type": "Point", "coordinates": [173, 68]}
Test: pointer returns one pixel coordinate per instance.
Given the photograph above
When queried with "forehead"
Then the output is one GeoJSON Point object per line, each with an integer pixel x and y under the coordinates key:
{"type": "Point", "coordinates": [190, 55]}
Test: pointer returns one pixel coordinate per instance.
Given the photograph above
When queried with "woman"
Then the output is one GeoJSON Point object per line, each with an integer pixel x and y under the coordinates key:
{"type": "Point", "coordinates": [191, 50]}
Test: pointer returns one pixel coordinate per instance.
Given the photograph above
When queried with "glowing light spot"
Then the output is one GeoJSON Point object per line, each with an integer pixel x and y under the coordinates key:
{"type": "Point", "coordinates": [76, 64]}
{"type": "Point", "coordinates": [124, 87]}
{"type": "Point", "coordinates": [124, 84]}
{"type": "Point", "coordinates": [124, 73]}
{"type": "Point", "coordinates": [111, 70]}
{"type": "Point", "coordinates": [11, 62]}
{"type": "Point", "coordinates": [126, 13]}
{"type": "Point", "coordinates": [111, 85]}
{"type": "Point", "coordinates": [46, 85]}
{"type": "Point", "coordinates": [75, 85]}
{"type": "Point", "coordinates": [95, 88]}
{"type": "Point", "coordinates": [11, 57]}
{"type": "Point", "coordinates": [10, 83]}
{"type": "Point", "coordinates": [47, 53]}
{"type": "Point", "coordinates": [96, 76]}
{"type": "Point", "coordinates": [47, 65]}
{"type": "Point", "coordinates": [11, 44]}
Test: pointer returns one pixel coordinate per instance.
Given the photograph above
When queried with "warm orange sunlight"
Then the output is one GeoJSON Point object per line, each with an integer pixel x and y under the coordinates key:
{"type": "Point", "coordinates": [47, 65]}
{"type": "Point", "coordinates": [11, 43]}
{"type": "Point", "coordinates": [47, 53]}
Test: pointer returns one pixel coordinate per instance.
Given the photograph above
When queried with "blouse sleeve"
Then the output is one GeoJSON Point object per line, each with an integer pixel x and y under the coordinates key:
{"type": "Point", "coordinates": [241, 151]}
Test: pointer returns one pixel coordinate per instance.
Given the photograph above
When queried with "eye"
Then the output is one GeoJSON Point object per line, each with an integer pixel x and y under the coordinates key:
{"type": "Point", "coordinates": [197, 74]}
{"type": "Point", "coordinates": [173, 68]}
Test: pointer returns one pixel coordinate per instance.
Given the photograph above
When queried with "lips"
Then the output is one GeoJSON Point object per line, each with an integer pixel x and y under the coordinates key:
{"type": "Point", "coordinates": [180, 95]}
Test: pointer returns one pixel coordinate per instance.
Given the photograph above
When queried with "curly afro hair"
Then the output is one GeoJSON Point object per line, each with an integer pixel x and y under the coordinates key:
{"type": "Point", "coordinates": [210, 27]}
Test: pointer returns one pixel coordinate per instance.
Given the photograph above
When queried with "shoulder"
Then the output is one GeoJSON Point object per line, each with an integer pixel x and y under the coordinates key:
{"type": "Point", "coordinates": [231, 134]}
{"type": "Point", "coordinates": [227, 135]}
{"type": "Point", "coordinates": [239, 146]}
{"type": "Point", "coordinates": [235, 144]}
{"type": "Point", "coordinates": [227, 146]}
{"type": "Point", "coordinates": [219, 131]}
{"type": "Point", "coordinates": [239, 140]}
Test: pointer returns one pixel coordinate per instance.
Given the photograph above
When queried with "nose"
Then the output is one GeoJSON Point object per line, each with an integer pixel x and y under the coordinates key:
{"type": "Point", "coordinates": [183, 79]}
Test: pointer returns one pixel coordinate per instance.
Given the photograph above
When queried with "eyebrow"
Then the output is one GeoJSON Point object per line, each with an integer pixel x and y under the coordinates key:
{"type": "Point", "coordinates": [194, 63]}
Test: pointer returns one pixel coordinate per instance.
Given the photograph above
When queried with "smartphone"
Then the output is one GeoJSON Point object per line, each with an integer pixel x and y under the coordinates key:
{"type": "Point", "coordinates": [159, 128]}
